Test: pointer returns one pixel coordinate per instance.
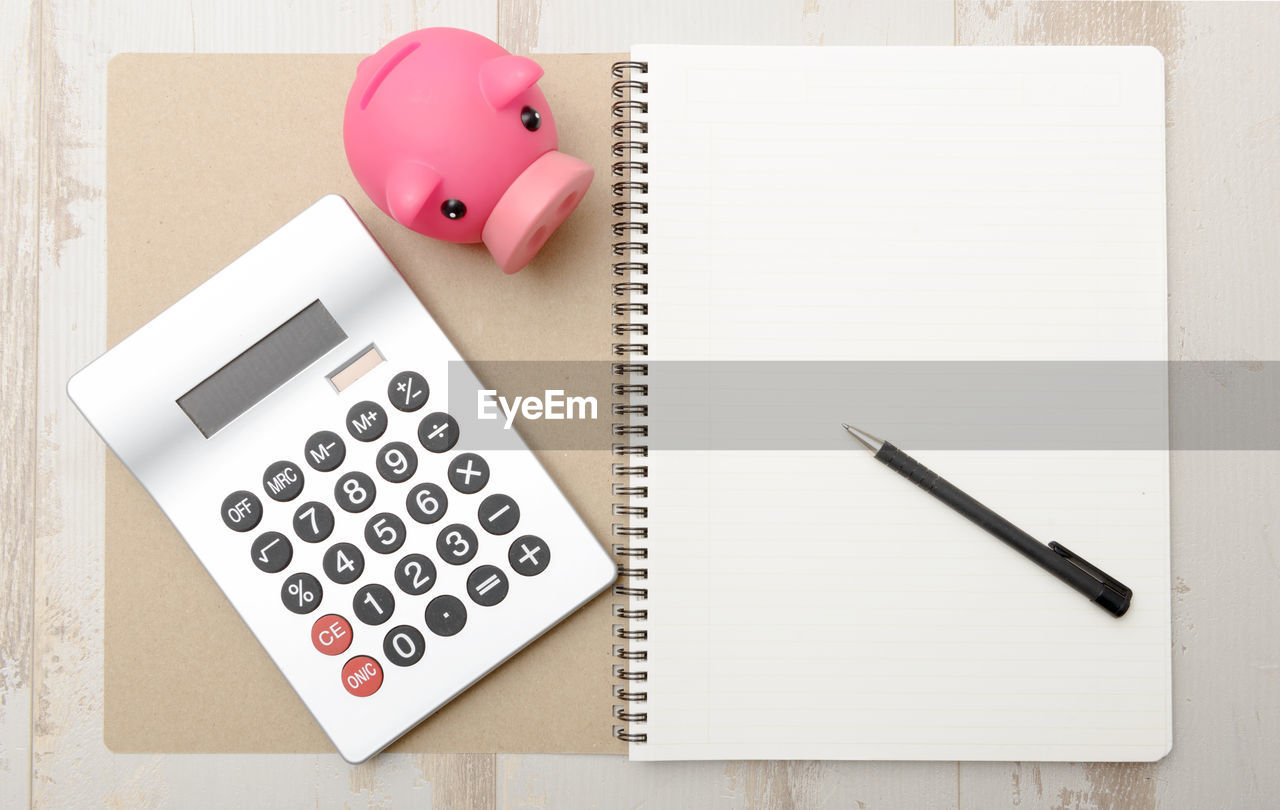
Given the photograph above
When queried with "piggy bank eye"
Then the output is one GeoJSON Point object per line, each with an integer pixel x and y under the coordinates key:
{"type": "Point", "coordinates": [531, 119]}
{"type": "Point", "coordinates": [453, 209]}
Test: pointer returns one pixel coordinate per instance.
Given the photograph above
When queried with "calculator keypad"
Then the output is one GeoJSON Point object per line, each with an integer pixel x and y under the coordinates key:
{"type": "Point", "coordinates": [415, 573]}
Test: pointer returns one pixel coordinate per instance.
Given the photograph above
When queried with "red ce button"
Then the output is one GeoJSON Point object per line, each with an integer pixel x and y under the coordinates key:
{"type": "Point", "coordinates": [331, 634]}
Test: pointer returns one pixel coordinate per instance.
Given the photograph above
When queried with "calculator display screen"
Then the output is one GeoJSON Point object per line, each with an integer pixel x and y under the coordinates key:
{"type": "Point", "coordinates": [261, 369]}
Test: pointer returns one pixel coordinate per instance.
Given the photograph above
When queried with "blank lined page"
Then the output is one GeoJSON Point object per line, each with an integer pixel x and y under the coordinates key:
{"type": "Point", "coordinates": [902, 204]}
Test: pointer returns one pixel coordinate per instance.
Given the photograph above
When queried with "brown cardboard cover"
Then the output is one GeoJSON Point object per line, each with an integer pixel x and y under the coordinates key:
{"type": "Point", "coordinates": [208, 154]}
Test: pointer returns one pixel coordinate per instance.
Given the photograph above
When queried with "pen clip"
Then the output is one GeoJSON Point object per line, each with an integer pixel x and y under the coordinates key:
{"type": "Point", "coordinates": [1107, 581]}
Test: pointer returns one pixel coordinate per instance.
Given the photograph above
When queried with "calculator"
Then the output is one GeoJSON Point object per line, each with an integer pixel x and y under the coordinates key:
{"type": "Point", "coordinates": [290, 416]}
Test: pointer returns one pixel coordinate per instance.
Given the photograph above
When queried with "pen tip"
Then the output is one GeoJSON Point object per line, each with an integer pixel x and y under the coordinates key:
{"type": "Point", "coordinates": [865, 439]}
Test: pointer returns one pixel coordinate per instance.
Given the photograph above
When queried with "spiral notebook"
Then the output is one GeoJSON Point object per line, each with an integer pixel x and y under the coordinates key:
{"type": "Point", "coordinates": [896, 205]}
{"type": "Point", "coordinates": [727, 179]}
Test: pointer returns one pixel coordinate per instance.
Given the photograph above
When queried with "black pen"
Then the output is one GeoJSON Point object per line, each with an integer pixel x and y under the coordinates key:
{"type": "Point", "coordinates": [1101, 588]}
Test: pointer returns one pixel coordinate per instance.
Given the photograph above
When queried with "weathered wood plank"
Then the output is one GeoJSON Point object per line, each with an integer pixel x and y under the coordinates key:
{"type": "Point", "coordinates": [580, 26]}
{"type": "Point", "coordinates": [20, 40]}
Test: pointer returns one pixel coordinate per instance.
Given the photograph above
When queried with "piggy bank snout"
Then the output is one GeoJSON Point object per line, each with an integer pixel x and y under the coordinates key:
{"type": "Point", "coordinates": [533, 206]}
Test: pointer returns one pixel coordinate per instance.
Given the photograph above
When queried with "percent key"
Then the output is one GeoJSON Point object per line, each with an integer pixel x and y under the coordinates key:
{"type": "Point", "coordinates": [301, 593]}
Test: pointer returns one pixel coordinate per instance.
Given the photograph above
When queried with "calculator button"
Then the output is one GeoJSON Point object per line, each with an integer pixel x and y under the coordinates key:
{"type": "Point", "coordinates": [446, 615]}
{"type": "Point", "coordinates": [438, 432]}
{"type": "Point", "coordinates": [343, 563]}
{"type": "Point", "coordinates": [241, 511]}
{"type": "Point", "coordinates": [366, 421]}
{"type": "Point", "coordinates": [282, 481]}
{"type": "Point", "coordinates": [362, 676]}
{"type": "Point", "coordinates": [499, 514]}
{"type": "Point", "coordinates": [397, 462]}
{"type": "Point", "coordinates": [415, 574]}
{"type": "Point", "coordinates": [529, 556]}
{"type": "Point", "coordinates": [354, 492]}
{"type": "Point", "coordinates": [313, 522]}
{"type": "Point", "coordinates": [487, 585]}
{"type": "Point", "coordinates": [456, 544]}
{"type": "Point", "coordinates": [384, 533]}
{"type": "Point", "coordinates": [403, 646]}
{"type": "Point", "coordinates": [468, 473]}
{"type": "Point", "coordinates": [373, 604]}
{"type": "Point", "coordinates": [331, 634]}
{"type": "Point", "coordinates": [426, 503]}
{"type": "Point", "coordinates": [325, 451]}
{"type": "Point", "coordinates": [271, 552]}
{"type": "Point", "coordinates": [301, 593]}
{"type": "Point", "coordinates": [408, 391]}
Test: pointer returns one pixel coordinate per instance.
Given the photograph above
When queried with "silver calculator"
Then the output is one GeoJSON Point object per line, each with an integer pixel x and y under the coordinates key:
{"type": "Point", "coordinates": [290, 416]}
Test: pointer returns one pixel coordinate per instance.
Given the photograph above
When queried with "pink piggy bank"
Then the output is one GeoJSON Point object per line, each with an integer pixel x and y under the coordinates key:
{"type": "Point", "coordinates": [449, 134]}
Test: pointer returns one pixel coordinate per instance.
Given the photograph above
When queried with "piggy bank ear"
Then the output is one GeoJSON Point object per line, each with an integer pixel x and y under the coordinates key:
{"type": "Point", "coordinates": [502, 78]}
{"type": "Point", "coordinates": [409, 186]}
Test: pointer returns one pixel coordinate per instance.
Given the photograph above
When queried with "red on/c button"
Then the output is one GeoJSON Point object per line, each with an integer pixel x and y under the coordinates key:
{"type": "Point", "coordinates": [331, 634]}
{"type": "Point", "coordinates": [362, 676]}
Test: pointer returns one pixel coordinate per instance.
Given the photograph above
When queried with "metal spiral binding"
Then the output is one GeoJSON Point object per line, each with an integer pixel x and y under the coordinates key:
{"type": "Point", "coordinates": [630, 106]}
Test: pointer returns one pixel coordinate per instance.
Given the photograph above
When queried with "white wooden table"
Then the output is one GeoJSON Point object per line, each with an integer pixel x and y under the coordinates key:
{"type": "Point", "coordinates": [1224, 244]}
